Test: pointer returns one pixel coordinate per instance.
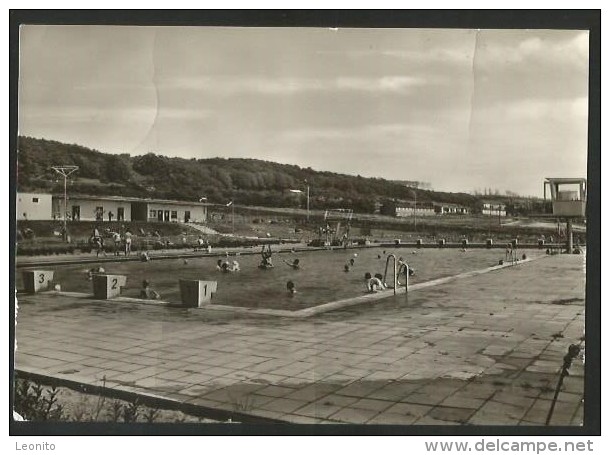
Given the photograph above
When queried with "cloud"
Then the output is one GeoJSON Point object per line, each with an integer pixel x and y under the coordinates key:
{"type": "Point", "coordinates": [383, 84]}
{"type": "Point", "coordinates": [367, 132]}
{"type": "Point", "coordinates": [112, 115]}
{"type": "Point", "coordinates": [533, 50]}
{"type": "Point", "coordinates": [569, 110]}
{"type": "Point", "coordinates": [286, 86]}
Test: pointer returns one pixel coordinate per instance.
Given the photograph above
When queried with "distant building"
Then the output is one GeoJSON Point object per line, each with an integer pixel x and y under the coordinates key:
{"type": "Point", "coordinates": [412, 209]}
{"type": "Point", "coordinates": [493, 208]}
{"type": "Point", "coordinates": [34, 206]}
{"type": "Point", "coordinates": [448, 209]}
{"type": "Point", "coordinates": [407, 209]}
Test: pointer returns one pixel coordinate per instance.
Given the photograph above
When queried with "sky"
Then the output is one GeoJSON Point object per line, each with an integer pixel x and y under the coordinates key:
{"type": "Point", "coordinates": [461, 109]}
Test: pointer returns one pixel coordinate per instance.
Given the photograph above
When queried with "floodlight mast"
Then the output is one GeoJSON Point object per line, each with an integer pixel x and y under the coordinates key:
{"type": "Point", "coordinates": [65, 170]}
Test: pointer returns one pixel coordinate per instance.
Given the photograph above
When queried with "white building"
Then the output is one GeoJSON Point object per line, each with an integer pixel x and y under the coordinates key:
{"type": "Point", "coordinates": [107, 208]}
{"type": "Point", "coordinates": [493, 209]}
{"type": "Point", "coordinates": [117, 208]}
{"type": "Point", "coordinates": [448, 209]}
{"type": "Point", "coordinates": [34, 206]}
{"type": "Point", "coordinates": [423, 209]}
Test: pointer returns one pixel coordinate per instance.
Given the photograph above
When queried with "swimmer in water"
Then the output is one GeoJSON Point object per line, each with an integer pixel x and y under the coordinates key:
{"type": "Point", "coordinates": [346, 268]}
{"type": "Point", "coordinates": [94, 271]}
{"type": "Point", "coordinates": [266, 258]}
{"type": "Point", "coordinates": [144, 257]}
{"type": "Point", "coordinates": [352, 262]}
{"type": "Point", "coordinates": [291, 288]}
{"type": "Point", "coordinates": [147, 292]}
{"type": "Point", "coordinates": [374, 284]}
{"type": "Point", "coordinates": [235, 267]}
{"type": "Point", "coordinates": [294, 264]}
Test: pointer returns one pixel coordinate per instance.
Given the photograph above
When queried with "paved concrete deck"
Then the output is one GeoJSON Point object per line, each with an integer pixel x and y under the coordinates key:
{"type": "Point", "coordinates": [484, 349]}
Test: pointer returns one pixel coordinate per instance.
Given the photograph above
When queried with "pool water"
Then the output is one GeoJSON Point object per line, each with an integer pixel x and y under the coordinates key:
{"type": "Point", "coordinates": [320, 279]}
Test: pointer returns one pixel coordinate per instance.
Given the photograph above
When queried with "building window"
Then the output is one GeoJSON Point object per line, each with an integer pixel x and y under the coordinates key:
{"type": "Point", "coordinates": [35, 199]}
{"type": "Point", "coordinates": [152, 214]}
{"type": "Point", "coordinates": [174, 215]}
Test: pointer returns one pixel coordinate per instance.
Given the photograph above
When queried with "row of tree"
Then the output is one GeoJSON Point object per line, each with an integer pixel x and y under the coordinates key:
{"type": "Point", "coordinates": [247, 181]}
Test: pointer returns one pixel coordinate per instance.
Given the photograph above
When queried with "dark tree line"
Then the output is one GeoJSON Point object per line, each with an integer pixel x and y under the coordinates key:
{"type": "Point", "coordinates": [247, 181]}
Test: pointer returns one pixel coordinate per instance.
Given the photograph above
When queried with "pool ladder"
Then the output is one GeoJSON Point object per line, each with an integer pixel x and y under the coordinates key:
{"type": "Point", "coordinates": [396, 271]}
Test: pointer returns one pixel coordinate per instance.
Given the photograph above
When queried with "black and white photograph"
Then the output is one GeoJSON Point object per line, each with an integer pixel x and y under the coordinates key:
{"type": "Point", "coordinates": [289, 224]}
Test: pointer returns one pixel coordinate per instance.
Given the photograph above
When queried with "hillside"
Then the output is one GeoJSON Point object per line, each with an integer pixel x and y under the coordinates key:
{"type": "Point", "coordinates": [247, 181]}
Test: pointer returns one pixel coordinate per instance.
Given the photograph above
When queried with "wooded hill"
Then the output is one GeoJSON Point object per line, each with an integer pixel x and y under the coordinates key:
{"type": "Point", "coordinates": [247, 181]}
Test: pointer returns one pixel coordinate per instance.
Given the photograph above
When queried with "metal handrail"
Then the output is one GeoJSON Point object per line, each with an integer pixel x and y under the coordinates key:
{"type": "Point", "coordinates": [387, 261]}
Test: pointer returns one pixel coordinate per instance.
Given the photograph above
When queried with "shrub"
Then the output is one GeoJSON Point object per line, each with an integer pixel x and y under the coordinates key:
{"type": "Point", "coordinates": [33, 403]}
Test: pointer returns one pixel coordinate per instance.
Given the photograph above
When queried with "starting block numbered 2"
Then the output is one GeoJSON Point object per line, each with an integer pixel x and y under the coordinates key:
{"type": "Point", "coordinates": [108, 286]}
{"type": "Point", "coordinates": [37, 280]}
{"type": "Point", "coordinates": [197, 293]}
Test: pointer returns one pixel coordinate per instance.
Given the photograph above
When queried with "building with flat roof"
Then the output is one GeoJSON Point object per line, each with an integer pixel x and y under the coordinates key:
{"type": "Point", "coordinates": [492, 208]}
{"type": "Point", "coordinates": [40, 206]}
{"type": "Point", "coordinates": [119, 208]}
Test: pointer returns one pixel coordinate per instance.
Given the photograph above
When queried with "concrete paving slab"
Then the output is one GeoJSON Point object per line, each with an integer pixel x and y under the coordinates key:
{"type": "Point", "coordinates": [467, 351]}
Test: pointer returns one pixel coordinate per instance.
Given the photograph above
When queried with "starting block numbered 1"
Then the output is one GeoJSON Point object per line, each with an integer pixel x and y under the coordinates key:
{"type": "Point", "coordinates": [108, 286]}
{"type": "Point", "coordinates": [197, 293]}
{"type": "Point", "coordinates": [37, 280]}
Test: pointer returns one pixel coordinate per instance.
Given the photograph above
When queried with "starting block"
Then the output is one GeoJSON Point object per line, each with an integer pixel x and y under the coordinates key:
{"type": "Point", "coordinates": [197, 293]}
{"type": "Point", "coordinates": [420, 242]}
{"type": "Point", "coordinates": [108, 286]}
{"type": "Point", "coordinates": [464, 243]}
{"type": "Point", "coordinates": [489, 243]}
{"type": "Point", "coordinates": [441, 243]}
{"type": "Point", "coordinates": [37, 280]}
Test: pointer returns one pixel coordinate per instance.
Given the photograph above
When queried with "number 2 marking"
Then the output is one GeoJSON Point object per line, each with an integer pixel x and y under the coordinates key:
{"type": "Point", "coordinates": [114, 283]}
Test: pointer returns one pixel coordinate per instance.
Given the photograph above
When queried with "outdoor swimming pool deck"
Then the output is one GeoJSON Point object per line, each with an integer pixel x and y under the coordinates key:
{"type": "Point", "coordinates": [480, 350]}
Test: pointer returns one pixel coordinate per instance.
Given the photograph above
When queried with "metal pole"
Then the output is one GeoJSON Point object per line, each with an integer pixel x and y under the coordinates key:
{"type": "Point", "coordinates": [570, 237]}
{"type": "Point", "coordinates": [65, 171]}
{"type": "Point", "coordinates": [308, 202]}
{"type": "Point", "coordinates": [415, 211]}
{"type": "Point", "coordinates": [233, 217]}
{"type": "Point", "coordinates": [65, 208]}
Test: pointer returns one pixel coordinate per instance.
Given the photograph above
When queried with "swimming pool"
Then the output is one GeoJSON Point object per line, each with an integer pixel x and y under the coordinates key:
{"type": "Point", "coordinates": [320, 279]}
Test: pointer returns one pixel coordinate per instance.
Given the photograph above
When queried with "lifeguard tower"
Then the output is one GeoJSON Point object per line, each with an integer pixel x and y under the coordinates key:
{"type": "Point", "coordinates": [569, 199]}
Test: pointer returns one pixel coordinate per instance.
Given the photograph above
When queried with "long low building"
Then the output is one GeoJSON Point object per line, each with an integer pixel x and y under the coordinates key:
{"type": "Point", "coordinates": [41, 206]}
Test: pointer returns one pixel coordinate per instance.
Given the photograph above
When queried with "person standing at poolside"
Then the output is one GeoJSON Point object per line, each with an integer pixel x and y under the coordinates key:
{"type": "Point", "coordinates": [117, 243]}
{"type": "Point", "coordinates": [127, 236]}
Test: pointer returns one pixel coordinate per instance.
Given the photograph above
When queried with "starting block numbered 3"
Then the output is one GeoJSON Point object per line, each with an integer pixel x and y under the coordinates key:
{"type": "Point", "coordinates": [108, 286]}
{"type": "Point", "coordinates": [37, 280]}
{"type": "Point", "coordinates": [197, 293]}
